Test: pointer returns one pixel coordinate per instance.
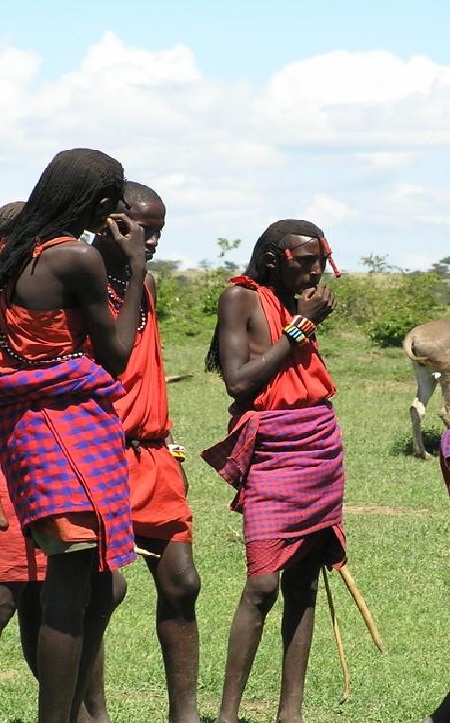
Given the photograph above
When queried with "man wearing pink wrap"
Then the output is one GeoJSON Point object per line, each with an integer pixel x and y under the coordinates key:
{"type": "Point", "coordinates": [283, 453]}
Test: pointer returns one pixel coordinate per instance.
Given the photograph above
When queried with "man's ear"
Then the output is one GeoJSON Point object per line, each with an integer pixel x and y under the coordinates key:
{"type": "Point", "coordinates": [102, 210]}
{"type": "Point", "coordinates": [271, 261]}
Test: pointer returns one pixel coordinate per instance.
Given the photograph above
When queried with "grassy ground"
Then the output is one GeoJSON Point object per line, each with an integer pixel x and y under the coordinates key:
{"type": "Point", "coordinates": [397, 519]}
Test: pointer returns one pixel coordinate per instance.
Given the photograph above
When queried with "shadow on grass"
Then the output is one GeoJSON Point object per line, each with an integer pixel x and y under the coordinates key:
{"type": "Point", "coordinates": [402, 446]}
{"type": "Point", "coordinates": [203, 718]}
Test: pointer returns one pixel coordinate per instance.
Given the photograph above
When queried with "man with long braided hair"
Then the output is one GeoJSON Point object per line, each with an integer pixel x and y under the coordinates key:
{"type": "Point", "coordinates": [283, 453]}
{"type": "Point", "coordinates": [61, 442]}
{"type": "Point", "coordinates": [23, 567]}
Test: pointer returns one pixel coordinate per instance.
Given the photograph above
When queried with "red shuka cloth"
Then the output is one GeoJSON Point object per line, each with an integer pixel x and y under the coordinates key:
{"type": "Point", "coordinates": [20, 561]}
{"type": "Point", "coordinates": [158, 499]}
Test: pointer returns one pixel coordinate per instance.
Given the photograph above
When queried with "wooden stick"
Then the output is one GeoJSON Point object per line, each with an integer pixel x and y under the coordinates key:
{"type": "Point", "coordinates": [362, 607]}
{"type": "Point", "coordinates": [177, 378]}
{"type": "Point", "coordinates": [338, 639]}
{"type": "Point", "coordinates": [145, 553]}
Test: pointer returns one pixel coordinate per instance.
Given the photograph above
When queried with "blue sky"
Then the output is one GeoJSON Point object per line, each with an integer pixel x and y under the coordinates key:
{"type": "Point", "coordinates": [241, 113]}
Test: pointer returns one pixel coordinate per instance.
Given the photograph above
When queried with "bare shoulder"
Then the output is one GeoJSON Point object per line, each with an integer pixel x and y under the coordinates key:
{"type": "Point", "coordinates": [74, 258]}
{"type": "Point", "coordinates": [237, 299]}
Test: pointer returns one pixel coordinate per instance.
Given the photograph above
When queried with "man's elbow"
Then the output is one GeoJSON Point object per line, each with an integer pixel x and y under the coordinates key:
{"type": "Point", "coordinates": [114, 365]}
{"type": "Point", "coordinates": [237, 389]}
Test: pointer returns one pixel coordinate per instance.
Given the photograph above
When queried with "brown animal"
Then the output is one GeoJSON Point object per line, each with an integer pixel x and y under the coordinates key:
{"type": "Point", "coordinates": [428, 347]}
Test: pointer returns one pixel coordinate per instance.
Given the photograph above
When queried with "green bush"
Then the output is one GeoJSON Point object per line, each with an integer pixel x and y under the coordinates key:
{"type": "Point", "coordinates": [384, 306]}
{"type": "Point", "coordinates": [409, 301]}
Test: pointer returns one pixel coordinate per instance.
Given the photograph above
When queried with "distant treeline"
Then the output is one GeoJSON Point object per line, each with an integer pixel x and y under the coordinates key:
{"type": "Point", "coordinates": [384, 304]}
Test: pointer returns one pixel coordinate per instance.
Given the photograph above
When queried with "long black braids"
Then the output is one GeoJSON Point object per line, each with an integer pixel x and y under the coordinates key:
{"type": "Point", "coordinates": [73, 183]}
{"type": "Point", "coordinates": [273, 239]}
{"type": "Point", "coordinates": [8, 214]}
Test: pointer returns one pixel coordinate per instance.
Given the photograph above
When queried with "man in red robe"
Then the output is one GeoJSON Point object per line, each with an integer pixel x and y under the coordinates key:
{"type": "Point", "coordinates": [23, 568]}
{"type": "Point", "coordinates": [61, 441]}
{"type": "Point", "coordinates": [162, 519]}
{"type": "Point", "coordinates": [283, 453]}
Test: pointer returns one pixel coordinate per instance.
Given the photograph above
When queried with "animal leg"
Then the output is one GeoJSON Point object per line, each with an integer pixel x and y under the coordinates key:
{"type": "Point", "coordinates": [426, 384]}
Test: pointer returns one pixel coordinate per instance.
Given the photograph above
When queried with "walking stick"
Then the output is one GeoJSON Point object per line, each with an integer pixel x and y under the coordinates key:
{"type": "Point", "coordinates": [338, 640]}
{"type": "Point", "coordinates": [362, 607]}
{"type": "Point", "coordinates": [145, 553]}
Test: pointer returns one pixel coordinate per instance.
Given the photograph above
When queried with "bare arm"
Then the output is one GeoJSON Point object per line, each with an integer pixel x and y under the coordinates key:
{"type": "Point", "coordinates": [248, 359]}
{"type": "Point", "coordinates": [112, 339]}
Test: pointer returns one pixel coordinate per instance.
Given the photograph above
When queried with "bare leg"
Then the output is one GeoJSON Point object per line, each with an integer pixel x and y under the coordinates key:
{"type": "Point", "coordinates": [9, 594]}
{"type": "Point", "coordinates": [299, 587]}
{"type": "Point", "coordinates": [29, 615]}
{"type": "Point", "coordinates": [65, 598]}
{"type": "Point", "coordinates": [94, 701]}
{"type": "Point", "coordinates": [441, 714]}
{"type": "Point", "coordinates": [178, 584]}
{"type": "Point", "coordinates": [258, 597]}
{"type": "Point", "coordinates": [108, 591]}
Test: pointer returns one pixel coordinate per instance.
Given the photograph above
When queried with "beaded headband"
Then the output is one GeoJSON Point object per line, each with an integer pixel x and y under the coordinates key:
{"type": "Point", "coordinates": [327, 252]}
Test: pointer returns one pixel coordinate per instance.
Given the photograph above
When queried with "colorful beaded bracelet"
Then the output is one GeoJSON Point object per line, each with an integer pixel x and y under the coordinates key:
{"type": "Point", "coordinates": [299, 329]}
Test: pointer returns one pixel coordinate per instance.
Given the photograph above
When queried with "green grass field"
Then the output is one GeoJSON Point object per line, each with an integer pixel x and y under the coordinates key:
{"type": "Point", "coordinates": [397, 519]}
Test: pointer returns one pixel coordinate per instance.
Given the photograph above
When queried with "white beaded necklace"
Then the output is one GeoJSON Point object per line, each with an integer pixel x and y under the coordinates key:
{"type": "Point", "coordinates": [116, 298]}
{"type": "Point", "coordinates": [4, 343]}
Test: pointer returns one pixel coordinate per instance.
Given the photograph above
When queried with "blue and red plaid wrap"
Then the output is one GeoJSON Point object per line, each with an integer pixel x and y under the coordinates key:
{"type": "Point", "coordinates": [444, 457]}
{"type": "Point", "coordinates": [288, 468]}
{"type": "Point", "coordinates": [62, 450]}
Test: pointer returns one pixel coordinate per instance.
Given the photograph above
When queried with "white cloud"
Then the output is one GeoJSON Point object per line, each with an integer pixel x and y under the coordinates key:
{"type": "Point", "coordinates": [329, 210]}
{"type": "Point", "coordinates": [356, 99]}
{"type": "Point", "coordinates": [344, 139]}
{"type": "Point", "coordinates": [386, 161]}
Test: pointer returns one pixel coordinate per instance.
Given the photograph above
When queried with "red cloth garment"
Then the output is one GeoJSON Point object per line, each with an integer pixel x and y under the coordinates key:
{"type": "Point", "coordinates": [159, 508]}
{"type": "Point", "coordinates": [20, 561]}
{"type": "Point", "coordinates": [268, 556]}
{"type": "Point", "coordinates": [287, 466]}
{"type": "Point", "coordinates": [38, 335]}
{"type": "Point", "coordinates": [303, 379]}
{"type": "Point", "coordinates": [158, 498]}
{"type": "Point", "coordinates": [61, 441]}
{"type": "Point", "coordinates": [284, 455]}
{"type": "Point", "coordinates": [143, 409]}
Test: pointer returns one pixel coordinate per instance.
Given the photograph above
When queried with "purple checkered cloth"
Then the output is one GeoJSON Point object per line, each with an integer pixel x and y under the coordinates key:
{"type": "Point", "coordinates": [444, 457]}
{"type": "Point", "coordinates": [288, 468]}
{"type": "Point", "coordinates": [62, 450]}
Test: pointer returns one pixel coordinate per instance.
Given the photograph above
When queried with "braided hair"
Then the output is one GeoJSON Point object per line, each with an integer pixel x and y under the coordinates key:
{"type": "Point", "coordinates": [273, 239]}
{"type": "Point", "coordinates": [8, 214]}
{"type": "Point", "coordinates": [72, 184]}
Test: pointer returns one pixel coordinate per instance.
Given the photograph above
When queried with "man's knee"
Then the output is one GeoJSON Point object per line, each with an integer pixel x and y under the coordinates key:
{"type": "Point", "coordinates": [119, 589]}
{"type": "Point", "coordinates": [182, 588]}
{"type": "Point", "coordinates": [7, 606]}
{"type": "Point", "coordinates": [301, 585]}
{"type": "Point", "coordinates": [262, 590]}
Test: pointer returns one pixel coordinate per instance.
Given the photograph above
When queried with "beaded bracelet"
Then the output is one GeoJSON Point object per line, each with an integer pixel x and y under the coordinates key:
{"type": "Point", "coordinates": [299, 329]}
{"type": "Point", "coordinates": [177, 451]}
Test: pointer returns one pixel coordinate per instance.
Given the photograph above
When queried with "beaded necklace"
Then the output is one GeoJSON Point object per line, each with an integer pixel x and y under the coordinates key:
{"type": "Point", "coordinates": [4, 344]}
{"type": "Point", "coordinates": [116, 298]}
